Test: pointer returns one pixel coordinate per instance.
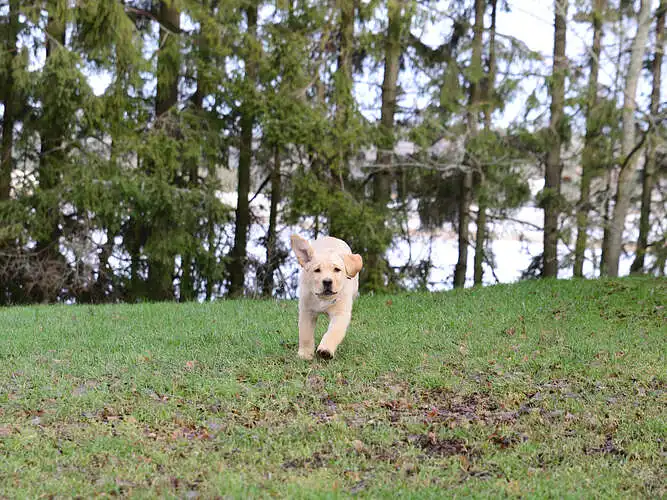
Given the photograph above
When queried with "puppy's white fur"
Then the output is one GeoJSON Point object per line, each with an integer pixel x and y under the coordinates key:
{"type": "Point", "coordinates": [329, 283]}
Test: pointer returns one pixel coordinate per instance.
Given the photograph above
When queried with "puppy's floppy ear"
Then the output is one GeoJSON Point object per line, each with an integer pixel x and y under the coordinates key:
{"type": "Point", "coordinates": [353, 264]}
{"type": "Point", "coordinates": [302, 249]}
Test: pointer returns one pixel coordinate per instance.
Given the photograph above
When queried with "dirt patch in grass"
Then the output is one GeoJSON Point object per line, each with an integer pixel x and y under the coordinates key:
{"type": "Point", "coordinates": [607, 448]}
{"type": "Point", "coordinates": [435, 446]}
{"type": "Point", "coordinates": [504, 441]}
{"type": "Point", "coordinates": [316, 461]}
{"type": "Point", "coordinates": [444, 407]}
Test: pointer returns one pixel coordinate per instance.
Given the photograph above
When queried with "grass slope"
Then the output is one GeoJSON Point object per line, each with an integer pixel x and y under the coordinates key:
{"type": "Point", "coordinates": [543, 388]}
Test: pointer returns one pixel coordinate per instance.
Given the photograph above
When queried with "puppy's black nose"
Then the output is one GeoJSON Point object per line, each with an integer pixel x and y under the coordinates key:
{"type": "Point", "coordinates": [327, 283]}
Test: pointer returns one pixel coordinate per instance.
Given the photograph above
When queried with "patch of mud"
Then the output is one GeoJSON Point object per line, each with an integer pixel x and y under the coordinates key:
{"type": "Point", "coordinates": [437, 406]}
{"type": "Point", "coordinates": [504, 441]}
{"type": "Point", "coordinates": [435, 446]}
{"type": "Point", "coordinates": [317, 461]}
{"type": "Point", "coordinates": [607, 448]}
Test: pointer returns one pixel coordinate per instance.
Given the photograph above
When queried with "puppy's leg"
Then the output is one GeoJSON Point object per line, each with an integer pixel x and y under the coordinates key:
{"type": "Point", "coordinates": [334, 336]}
{"type": "Point", "coordinates": [307, 322]}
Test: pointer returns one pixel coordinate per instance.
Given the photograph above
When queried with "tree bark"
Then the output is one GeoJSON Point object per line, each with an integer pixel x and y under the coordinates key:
{"type": "Point", "coordinates": [589, 163]}
{"type": "Point", "coordinates": [211, 261]}
{"type": "Point", "coordinates": [482, 202]}
{"type": "Point", "coordinates": [463, 230]}
{"type": "Point", "coordinates": [649, 168]}
{"type": "Point", "coordinates": [552, 178]}
{"type": "Point", "coordinates": [9, 97]}
{"type": "Point", "coordinates": [272, 236]}
{"type": "Point", "coordinates": [629, 154]}
{"type": "Point", "coordinates": [375, 279]}
{"type": "Point", "coordinates": [473, 112]}
{"type": "Point", "coordinates": [611, 168]}
{"type": "Point", "coordinates": [238, 255]}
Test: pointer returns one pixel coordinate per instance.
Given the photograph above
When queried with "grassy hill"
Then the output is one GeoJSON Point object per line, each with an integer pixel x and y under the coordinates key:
{"type": "Point", "coordinates": [543, 388]}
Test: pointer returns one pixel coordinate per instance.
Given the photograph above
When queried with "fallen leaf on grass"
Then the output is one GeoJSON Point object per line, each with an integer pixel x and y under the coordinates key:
{"type": "Point", "coordinates": [409, 468]}
{"type": "Point", "coordinates": [190, 433]}
{"type": "Point", "coordinates": [6, 430]}
{"type": "Point", "coordinates": [506, 441]}
{"type": "Point", "coordinates": [358, 445]}
{"type": "Point", "coordinates": [109, 415]}
{"type": "Point", "coordinates": [190, 365]}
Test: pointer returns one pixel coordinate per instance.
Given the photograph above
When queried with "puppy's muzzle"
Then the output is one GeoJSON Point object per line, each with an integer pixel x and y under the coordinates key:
{"type": "Point", "coordinates": [327, 287]}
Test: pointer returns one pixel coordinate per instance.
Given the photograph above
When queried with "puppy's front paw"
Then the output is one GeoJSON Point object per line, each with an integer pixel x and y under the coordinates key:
{"type": "Point", "coordinates": [306, 354]}
{"type": "Point", "coordinates": [324, 353]}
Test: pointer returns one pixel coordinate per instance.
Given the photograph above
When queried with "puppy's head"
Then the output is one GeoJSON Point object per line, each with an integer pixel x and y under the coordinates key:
{"type": "Point", "coordinates": [325, 273]}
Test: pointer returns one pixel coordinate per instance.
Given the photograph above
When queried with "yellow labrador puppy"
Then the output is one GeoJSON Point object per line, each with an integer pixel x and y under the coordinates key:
{"type": "Point", "coordinates": [329, 283]}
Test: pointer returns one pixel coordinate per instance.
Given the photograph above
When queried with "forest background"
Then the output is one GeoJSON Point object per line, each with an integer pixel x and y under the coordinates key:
{"type": "Point", "coordinates": [165, 150]}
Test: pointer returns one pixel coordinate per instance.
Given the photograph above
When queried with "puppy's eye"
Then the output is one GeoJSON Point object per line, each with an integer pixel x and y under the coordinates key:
{"type": "Point", "coordinates": [336, 270]}
{"type": "Point", "coordinates": [318, 270]}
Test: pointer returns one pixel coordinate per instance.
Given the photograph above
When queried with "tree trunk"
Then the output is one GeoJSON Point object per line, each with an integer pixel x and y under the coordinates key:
{"type": "Point", "coordinates": [211, 257]}
{"type": "Point", "coordinates": [554, 166]}
{"type": "Point", "coordinates": [161, 268]}
{"type": "Point", "coordinates": [271, 238]}
{"type": "Point", "coordinates": [649, 168]}
{"type": "Point", "coordinates": [629, 154]}
{"type": "Point", "coordinates": [463, 230]}
{"type": "Point", "coordinates": [238, 260]}
{"type": "Point", "coordinates": [611, 168]}
{"type": "Point", "coordinates": [382, 182]}
{"type": "Point", "coordinates": [473, 112]}
{"type": "Point", "coordinates": [589, 163]}
{"type": "Point", "coordinates": [167, 66]}
{"type": "Point", "coordinates": [481, 236]}
{"type": "Point", "coordinates": [9, 97]}
{"type": "Point", "coordinates": [187, 285]}
{"type": "Point", "coordinates": [606, 215]}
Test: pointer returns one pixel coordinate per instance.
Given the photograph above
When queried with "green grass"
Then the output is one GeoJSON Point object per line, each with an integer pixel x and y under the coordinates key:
{"type": "Point", "coordinates": [547, 389]}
